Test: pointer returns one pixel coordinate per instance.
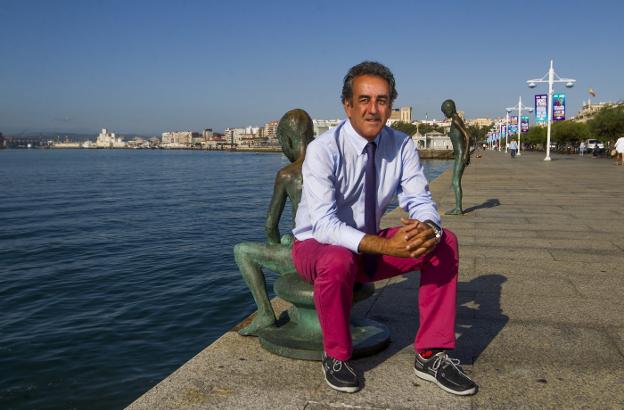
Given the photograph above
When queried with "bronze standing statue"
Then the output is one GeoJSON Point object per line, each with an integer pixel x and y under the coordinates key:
{"type": "Point", "coordinates": [294, 132]}
{"type": "Point", "coordinates": [461, 152]}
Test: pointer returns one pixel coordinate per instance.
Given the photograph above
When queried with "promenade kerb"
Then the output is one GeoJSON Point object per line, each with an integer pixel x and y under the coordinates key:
{"type": "Point", "coordinates": [540, 307]}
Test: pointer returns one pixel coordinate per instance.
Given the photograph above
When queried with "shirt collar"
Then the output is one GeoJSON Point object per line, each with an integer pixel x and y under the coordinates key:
{"type": "Point", "coordinates": [358, 142]}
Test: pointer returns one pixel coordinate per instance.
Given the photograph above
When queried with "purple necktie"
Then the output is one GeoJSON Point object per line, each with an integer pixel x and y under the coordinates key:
{"type": "Point", "coordinates": [370, 206]}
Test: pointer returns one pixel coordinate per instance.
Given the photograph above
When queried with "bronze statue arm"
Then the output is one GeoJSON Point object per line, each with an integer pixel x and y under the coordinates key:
{"type": "Point", "coordinates": [276, 207]}
{"type": "Point", "coordinates": [462, 128]}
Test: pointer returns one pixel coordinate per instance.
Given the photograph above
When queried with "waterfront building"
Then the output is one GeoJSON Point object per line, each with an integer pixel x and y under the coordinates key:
{"type": "Point", "coordinates": [480, 122]}
{"type": "Point", "coordinates": [66, 144]}
{"type": "Point", "coordinates": [216, 141]}
{"type": "Point", "coordinates": [589, 109]}
{"type": "Point", "coordinates": [139, 142]}
{"type": "Point", "coordinates": [109, 140]}
{"type": "Point", "coordinates": [403, 114]}
{"type": "Point", "coordinates": [238, 134]}
{"type": "Point", "coordinates": [445, 124]}
{"type": "Point", "coordinates": [432, 140]}
{"type": "Point", "coordinates": [320, 126]}
{"type": "Point", "coordinates": [176, 139]}
{"type": "Point", "coordinates": [270, 129]}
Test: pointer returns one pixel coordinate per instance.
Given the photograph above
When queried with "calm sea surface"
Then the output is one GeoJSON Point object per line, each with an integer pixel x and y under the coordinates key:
{"type": "Point", "coordinates": [116, 266]}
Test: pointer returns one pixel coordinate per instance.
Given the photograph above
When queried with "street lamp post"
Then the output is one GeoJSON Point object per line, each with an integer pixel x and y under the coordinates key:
{"type": "Point", "coordinates": [500, 135]}
{"type": "Point", "coordinates": [506, 130]}
{"type": "Point", "coordinates": [552, 78]}
{"type": "Point", "coordinates": [520, 108]}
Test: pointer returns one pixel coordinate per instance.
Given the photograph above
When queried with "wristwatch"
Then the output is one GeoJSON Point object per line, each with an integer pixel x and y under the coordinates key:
{"type": "Point", "coordinates": [436, 228]}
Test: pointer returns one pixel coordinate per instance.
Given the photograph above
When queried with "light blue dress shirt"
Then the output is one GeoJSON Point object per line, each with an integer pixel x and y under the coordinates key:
{"type": "Point", "coordinates": [332, 201]}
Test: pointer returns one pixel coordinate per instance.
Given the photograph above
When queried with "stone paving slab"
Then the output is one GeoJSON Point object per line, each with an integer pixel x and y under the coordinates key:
{"type": "Point", "coordinates": [540, 320]}
{"type": "Point", "coordinates": [547, 386]}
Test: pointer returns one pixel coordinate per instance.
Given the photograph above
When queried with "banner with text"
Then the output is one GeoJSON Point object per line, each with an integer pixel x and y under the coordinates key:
{"type": "Point", "coordinates": [513, 125]}
{"type": "Point", "coordinates": [541, 109]}
{"type": "Point", "coordinates": [524, 123]}
{"type": "Point", "coordinates": [558, 107]}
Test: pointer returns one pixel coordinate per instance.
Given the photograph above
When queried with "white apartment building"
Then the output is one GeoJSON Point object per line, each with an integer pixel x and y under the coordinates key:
{"type": "Point", "coordinates": [320, 126]}
{"type": "Point", "coordinates": [432, 140]}
{"type": "Point", "coordinates": [480, 122]}
{"type": "Point", "coordinates": [270, 129]}
{"type": "Point", "coordinates": [109, 140]}
{"type": "Point", "coordinates": [180, 138]}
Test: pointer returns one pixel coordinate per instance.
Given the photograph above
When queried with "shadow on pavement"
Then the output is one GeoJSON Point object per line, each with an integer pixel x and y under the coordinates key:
{"type": "Point", "coordinates": [473, 334]}
{"type": "Point", "coordinates": [490, 203]}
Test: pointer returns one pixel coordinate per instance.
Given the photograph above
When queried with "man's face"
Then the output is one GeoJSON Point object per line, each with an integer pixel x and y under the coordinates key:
{"type": "Point", "coordinates": [370, 106]}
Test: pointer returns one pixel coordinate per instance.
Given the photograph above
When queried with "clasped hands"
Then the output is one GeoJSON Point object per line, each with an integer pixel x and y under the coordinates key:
{"type": "Point", "coordinates": [413, 239]}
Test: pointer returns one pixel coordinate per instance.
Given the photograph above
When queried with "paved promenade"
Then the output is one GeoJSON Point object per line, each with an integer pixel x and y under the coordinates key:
{"type": "Point", "coordinates": [540, 306]}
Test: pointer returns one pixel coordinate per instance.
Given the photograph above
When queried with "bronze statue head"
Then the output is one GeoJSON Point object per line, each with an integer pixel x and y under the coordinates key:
{"type": "Point", "coordinates": [294, 132]}
{"type": "Point", "coordinates": [448, 108]}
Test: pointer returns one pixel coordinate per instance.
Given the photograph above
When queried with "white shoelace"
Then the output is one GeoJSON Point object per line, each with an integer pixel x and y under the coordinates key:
{"type": "Point", "coordinates": [444, 359]}
{"type": "Point", "coordinates": [337, 366]}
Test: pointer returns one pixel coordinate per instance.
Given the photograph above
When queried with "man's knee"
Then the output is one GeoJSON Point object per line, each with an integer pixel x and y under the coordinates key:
{"type": "Point", "coordinates": [449, 238]}
{"type": "Point", "coordinates": [337, 263]}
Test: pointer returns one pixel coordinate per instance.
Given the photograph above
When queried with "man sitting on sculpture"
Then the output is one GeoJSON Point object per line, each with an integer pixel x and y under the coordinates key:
{"type": "Point", "coordinates": [350, 175]}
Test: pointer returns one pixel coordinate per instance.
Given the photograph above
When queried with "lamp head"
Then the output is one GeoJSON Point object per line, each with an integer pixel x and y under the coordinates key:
{"type": "Point", "coordinates": [570, 84]}
{"type": "Point", "coordinates": [530, 109]}
{"type": "Point", "coordinates": [508, 109]}
{"type": "Point", "coordinates": [532, 84]}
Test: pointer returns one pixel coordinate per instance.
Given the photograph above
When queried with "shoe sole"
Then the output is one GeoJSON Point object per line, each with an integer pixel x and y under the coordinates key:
{"type": "Point", "coordinates": [339, 388]}
{"type": "Point", "coordinates": [430, 378]}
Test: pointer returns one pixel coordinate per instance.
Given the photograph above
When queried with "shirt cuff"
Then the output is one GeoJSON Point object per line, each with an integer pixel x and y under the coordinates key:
{"type": "Point", "coordinates": [429, 215]}
{"type": "Point", "coordinates": [352, 238]}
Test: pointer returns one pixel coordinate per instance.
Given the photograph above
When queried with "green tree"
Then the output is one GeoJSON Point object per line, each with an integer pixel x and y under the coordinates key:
{"type": "Point", "coordinates": [569, 132]}
{"type": "Point", "coordinates": [536, 136]}
{"type": "Point", "coordinates": [607, 124]}
{"type": "Point", "coordinates": [406, 127]}
{"type": "Point", "coordinates": [427, 128]}
{"type": "Point", "coordinates": [478, 133]}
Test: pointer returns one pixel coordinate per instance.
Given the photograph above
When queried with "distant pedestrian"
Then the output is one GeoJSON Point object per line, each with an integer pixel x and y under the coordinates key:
{"type": "Point", "coordinates": [513, 148]}
{"type": "Point", "coordinates": [582, 148]}
{"type": "Point", "coordinates": [619, 150]}
{"type": "Point", "coordinates": [595, 150]}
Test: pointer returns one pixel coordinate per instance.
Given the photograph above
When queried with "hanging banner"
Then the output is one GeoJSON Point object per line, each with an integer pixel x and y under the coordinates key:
{"type": "Point", "coordinates": [513, 124]}
{"type": "Point", "coordinates": [503, 131]}
{"type": "Point", "coordinates": [524, 123]}
{"type": "Point", "coordinates": [541, 109]}
{"type": "Point", "coordinates": [558, 107]}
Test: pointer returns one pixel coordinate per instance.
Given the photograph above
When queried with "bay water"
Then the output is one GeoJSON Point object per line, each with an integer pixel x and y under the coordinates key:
{"type": "Point", "coordinates": [116, 266]}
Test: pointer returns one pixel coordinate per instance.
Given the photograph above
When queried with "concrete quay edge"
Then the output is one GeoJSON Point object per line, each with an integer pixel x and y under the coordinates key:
{"type": "Point", "coordinates": [540, 313]}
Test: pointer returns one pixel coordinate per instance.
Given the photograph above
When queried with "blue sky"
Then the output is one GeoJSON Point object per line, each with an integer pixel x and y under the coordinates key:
{"type": "Point", "coordinates": [150, 66]}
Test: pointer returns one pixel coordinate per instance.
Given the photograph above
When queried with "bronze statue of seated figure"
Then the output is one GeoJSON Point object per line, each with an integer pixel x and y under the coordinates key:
{"type": "Point", "coordinates": [297, 333]}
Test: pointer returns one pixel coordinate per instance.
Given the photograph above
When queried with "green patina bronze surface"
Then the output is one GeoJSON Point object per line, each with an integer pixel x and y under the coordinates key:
{"type": "Point", "coordinates": [461, 152]}
{"type": "Point", "coordinates": [294, 132]}
{"type": "Point", "coordinates": [297, 333]}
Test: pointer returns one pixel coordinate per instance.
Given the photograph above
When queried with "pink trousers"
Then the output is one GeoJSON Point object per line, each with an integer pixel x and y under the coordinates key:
{"type": "Point", "coordinates": [333, 270]}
